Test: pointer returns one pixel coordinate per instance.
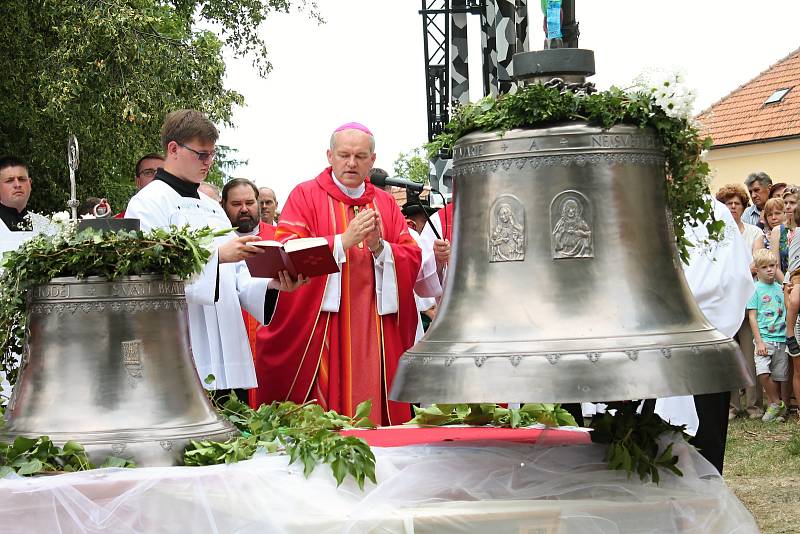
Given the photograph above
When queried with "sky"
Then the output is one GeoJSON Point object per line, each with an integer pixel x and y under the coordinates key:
{"type": "Point", "coordinates": [366, 64]}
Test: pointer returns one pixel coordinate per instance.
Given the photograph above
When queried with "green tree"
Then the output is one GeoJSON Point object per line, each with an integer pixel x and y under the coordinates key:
{"type": "Point", "coordinates": [412, 166]}
{"type": "Point", "coordinates": [225, 162]}
{"type": "Point", "coordinates": [108, 71]}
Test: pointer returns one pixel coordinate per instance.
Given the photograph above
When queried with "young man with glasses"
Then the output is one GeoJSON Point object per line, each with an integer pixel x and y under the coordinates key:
{"type": "Point", "coordinates": [218, 338]}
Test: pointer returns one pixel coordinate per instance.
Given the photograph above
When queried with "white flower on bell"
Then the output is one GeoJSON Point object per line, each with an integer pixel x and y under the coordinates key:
{"type": "Point", "coordinates": [60, 217]}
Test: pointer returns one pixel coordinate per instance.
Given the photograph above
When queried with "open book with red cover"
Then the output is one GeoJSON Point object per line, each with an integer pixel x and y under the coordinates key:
{"type": "Point", "coordinates": [309, 256]}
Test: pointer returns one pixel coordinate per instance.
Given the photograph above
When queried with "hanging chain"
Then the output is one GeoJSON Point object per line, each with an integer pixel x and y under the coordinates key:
{"type": "Point", "coordinates": [585, 88]}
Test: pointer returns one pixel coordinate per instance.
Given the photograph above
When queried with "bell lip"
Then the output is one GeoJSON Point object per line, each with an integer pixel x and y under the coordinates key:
{"type": "Point", "coordinates": [587, 376]}
{"type": "Point", "coordinates": [705, 336]}
{"type": "Point", "coordinates": [138, 435]}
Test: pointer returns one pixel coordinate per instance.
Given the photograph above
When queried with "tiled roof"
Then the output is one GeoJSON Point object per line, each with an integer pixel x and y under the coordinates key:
{"type": "Point", "coordinates": [742, 116]}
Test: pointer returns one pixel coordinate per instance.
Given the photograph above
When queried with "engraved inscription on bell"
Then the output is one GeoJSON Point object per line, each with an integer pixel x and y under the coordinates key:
{"type": "Point", "coordinates": [571, 224]}
{"type": "Point", "coordinates": [469, 151]}
{"type": "Point", "coordinates": [623, 141]}
{"type": "Point", "coordinates": [136, 289]}
{"type": "Point", "coordinates": [507, 230]}
{"type": "Point", "coordinates": [131, 357]}
{"type": "Point", "coordinates": [51, 291]}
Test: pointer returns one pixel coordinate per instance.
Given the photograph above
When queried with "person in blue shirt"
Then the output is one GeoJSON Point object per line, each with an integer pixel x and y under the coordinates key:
{"type": "Point", "coordinates": [766, 312]}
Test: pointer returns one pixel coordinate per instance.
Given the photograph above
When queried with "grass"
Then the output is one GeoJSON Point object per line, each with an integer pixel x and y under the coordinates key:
{"type": "Point", "coordinates": [762, 467]}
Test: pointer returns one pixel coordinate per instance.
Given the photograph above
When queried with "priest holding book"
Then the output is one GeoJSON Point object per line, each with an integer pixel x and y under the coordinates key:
{"type": "Point", "coordinates": [338, 339]}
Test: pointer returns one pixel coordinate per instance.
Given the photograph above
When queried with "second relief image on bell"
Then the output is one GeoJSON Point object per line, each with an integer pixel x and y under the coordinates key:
{"type": "Point", "coordinates": [571, 226]}
{"type": "Point", "coordinates": [507, 230]}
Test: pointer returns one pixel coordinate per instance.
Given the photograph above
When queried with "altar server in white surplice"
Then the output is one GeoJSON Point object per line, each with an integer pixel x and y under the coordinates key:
{"type": "Point", "coordinates": [218, 338]}
{"type": "Point", "coordinates": [721, 283]}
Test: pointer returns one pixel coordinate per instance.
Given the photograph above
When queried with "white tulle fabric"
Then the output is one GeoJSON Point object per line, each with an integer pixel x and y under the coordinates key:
{"type": "Point", "coordinates": [514, 488]}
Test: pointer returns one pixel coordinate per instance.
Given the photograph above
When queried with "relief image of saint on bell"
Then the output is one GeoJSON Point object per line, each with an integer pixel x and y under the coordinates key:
{"type": "Point", "coordinates": [572, 236]}
{"type": "Point", "coordinates": [507, 242]}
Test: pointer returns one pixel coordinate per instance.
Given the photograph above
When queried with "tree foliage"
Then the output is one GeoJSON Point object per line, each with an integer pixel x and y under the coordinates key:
{"type": "Point", "coordinates": [108, 71]}
{"type": "Point", "coordinates": [412, 166]}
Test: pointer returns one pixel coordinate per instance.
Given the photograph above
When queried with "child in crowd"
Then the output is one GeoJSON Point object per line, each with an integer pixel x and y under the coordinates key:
{"type": "Point", "coordinates": [767, 316]}
{"type": "Point", "coordinates": [776, 234]}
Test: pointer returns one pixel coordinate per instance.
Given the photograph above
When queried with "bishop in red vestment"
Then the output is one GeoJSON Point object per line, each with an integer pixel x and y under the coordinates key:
{"type": "Point", "coordinates": [339, 338]}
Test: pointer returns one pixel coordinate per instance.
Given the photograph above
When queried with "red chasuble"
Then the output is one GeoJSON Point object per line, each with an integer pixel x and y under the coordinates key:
{"type": "Point", "coordinates": [349, 356]}
{"type": "Point", "coordinates": [265, 232]}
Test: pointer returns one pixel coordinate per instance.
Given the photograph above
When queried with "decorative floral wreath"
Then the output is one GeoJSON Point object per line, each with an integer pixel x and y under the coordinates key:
{"type": "Point", "coordinates": [662, 103]}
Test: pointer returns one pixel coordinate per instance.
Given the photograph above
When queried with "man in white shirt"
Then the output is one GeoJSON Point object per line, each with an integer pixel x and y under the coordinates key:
{"type": "Point", "coordinates": [216, 330]}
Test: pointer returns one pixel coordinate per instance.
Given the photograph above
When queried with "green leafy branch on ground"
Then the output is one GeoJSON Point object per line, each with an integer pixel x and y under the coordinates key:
{"type": "Point", "coordinates": [632, 440]}
{"type": "Point", "coordinates": [170, 252]}
{"type": "Point", "coordinates": [492, 414]}
{"type": "Point", "coordinates": [32, 456]}
{"type": "Point", "coordinates": [305, 432]}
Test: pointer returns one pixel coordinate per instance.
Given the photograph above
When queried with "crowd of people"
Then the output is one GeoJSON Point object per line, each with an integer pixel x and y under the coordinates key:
{"type": "Point", "coordinates": [767, 220]}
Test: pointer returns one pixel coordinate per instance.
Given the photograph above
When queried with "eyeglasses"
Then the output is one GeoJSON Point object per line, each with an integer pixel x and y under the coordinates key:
{"type": "Point", "coordinates": [148, 173]}
{"type": "Point", "coordinates": [205, 157]}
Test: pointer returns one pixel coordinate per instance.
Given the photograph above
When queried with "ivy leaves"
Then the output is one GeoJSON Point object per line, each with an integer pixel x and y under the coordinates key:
{"type": "Point", "coordinates": [492, 414]}
{"type": "Point", "coordinates": [170, 252]}
{"type": "Point", "coordinates": [32, 456]}
{"type": "Point", "coordinates": [307, 433]}
{"type": "Point", "coordinates": [536, 105]}
{"type": "Point", "coordinates": [632, 440]}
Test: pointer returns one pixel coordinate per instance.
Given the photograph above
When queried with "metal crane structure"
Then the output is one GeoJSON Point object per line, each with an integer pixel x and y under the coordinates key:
{"type": "Point", "coordinates": [504, 32]}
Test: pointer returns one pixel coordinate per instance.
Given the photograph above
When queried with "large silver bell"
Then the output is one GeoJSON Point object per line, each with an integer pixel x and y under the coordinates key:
{"type": "Point", "coordinates": [107, 364]}
{"type": "Point", "coordinates": [564, 283]}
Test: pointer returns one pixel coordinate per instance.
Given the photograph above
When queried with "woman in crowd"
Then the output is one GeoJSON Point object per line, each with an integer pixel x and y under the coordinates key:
{"type": "Point", "coordinates": [776, 190]}
{"type": "Point", "coordinates": [789, 388]}
{"type": "Point", "coordinates": [735, 197]}
{"type": "Point", "coordinates": [792, 309]}
{"type": "Point", "coordinates": [790, 197]}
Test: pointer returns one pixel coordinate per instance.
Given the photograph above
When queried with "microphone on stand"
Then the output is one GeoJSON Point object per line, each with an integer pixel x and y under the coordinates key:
{"type": "Point", "coordinates": [381, 181]}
